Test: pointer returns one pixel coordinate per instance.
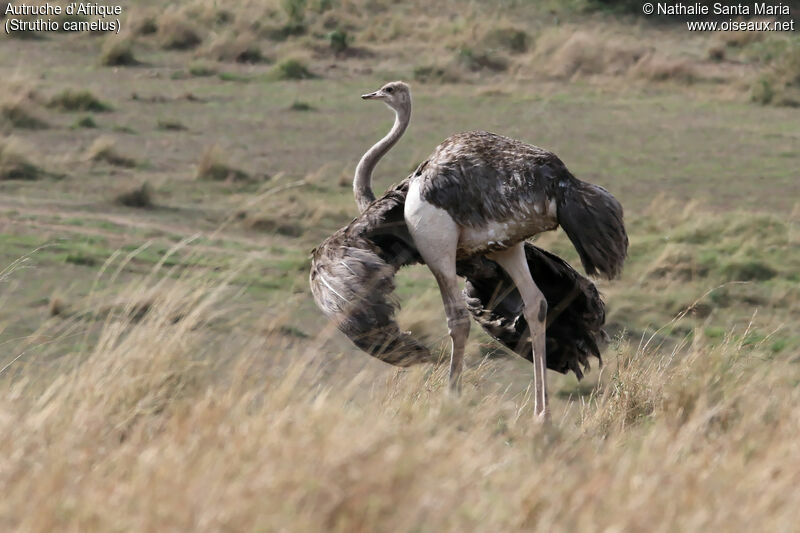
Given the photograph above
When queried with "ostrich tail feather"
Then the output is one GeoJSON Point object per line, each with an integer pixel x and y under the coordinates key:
{"type": "Point", "coordinates": [593, 220]}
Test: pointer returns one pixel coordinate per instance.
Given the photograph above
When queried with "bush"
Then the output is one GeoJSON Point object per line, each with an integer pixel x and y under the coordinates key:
{"type": "Point", "coordinates": [510, 39]}
{"type": "Point", "coordinates": [214, 167]}
{"type": "Point", "coordinates": [19, 113]}
{"type": "Point", "coordinates": [241, 49]}
{"type": "Point", "coordinates": [144, 25]}
{"type": "Point", "coordinates": [300, 106]}
{"type": "Point", "coordinates": [201, 70]}
{"type": "Point", "coordinates": [339, 41]}
{"type": "Point", "coordinates": [176, 33]}
{"type": "Point", "coordinates": [658, 68]}
{"type": "Point", "coordinates": [117, 53]}
{"type": "Point", "coordinates": [291, 69]}
{"type": "Point", "coordinates": [15, 166]}
{"type": "Point", "coordinates": [479, 60]}
{"type": "Point", "coordinates": [750, 270]}
{"type": "Point", "coordinates": [433, 73]}
{"type": "Point", "coordinates": [762, 91]}
{"type": "Point", "coordinates": [104, 150]}
{"type": "Point", "coordinates": [167, 124]}
{"type": "Point", "coordinates": [141, 197]}
{"type": "Point", "coordinates": [295, 10]}
{"type": "Point", "coordinates": [86, 122]}
{"type": "Point", "coordinates": [69, 100]}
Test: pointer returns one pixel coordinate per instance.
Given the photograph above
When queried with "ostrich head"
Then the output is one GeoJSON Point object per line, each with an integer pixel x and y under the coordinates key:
{"type": "Point", "coordinates": [395, 94]}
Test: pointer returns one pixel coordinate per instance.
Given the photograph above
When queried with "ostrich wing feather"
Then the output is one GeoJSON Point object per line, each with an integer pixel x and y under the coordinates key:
{"type": "Point", "coordinates": [352, 280]}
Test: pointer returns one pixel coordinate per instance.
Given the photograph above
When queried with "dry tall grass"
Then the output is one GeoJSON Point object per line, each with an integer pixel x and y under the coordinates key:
{"type": "Point", "coordinates": [183, 418]}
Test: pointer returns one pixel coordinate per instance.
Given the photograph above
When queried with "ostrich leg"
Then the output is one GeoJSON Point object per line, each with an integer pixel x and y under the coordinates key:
{"type": "Point", "coordinates": [435, 235]}
{"type": "Point", "coordinates": [514, 263]}
{"type": "Point", "coordinates": [457, 319]}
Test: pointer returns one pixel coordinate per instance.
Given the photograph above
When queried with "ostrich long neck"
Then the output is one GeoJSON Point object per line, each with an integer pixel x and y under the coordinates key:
{"type": "Point", "coordinates": [362, 182]}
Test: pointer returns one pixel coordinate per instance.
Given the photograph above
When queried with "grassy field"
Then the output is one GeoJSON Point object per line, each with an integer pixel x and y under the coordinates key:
{"type": "Point", "coordinates": [163, 364]}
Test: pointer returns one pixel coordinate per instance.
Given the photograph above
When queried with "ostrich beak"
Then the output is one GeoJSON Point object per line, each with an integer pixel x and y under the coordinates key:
{"type": "Point", "coordinates": [371, 96]}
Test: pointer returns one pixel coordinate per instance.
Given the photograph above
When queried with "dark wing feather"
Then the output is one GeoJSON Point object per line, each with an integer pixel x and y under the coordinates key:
{"type": "Point", "coordinates": [352, 280]}
{"type": "Point", "coordinates": [575, 310]}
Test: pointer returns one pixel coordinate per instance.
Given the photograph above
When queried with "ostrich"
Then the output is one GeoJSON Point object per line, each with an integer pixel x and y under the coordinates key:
{"type": "Point", "coordinates": [466, 211]}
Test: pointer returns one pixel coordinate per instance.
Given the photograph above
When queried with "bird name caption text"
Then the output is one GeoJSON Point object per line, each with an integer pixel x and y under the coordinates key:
{"type": "Point", "coordinates": [72, 17]}
{"type": "Point", "coordinates": [769, 10]}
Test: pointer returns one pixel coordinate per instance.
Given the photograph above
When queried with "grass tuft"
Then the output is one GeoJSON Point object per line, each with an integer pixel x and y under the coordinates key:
{"type": "Point", "coordinates": [175, 32]}
{"type": "Point", "coordinates": [139, 197]}
{"type": "Point", "coordinates": [339, 41]}
{"type": "Point", "coordinates": [117, 52]}
{"type": "Point", "coordinates": [291, 69]}
{"type": "Point", "coordinates": [71, 100]}
{"type": "Point", "coordinates": [436, 74]}
{"type": "Point", "coordinates": [509, 39]}
{"type": "Point", "coordinates": [20, 112]}
{"type": "Point", "coordinates": [86, 122]}
{"type": "Point", "coordinates": [239, 48]}
{"type": "Point", "coordinates": [170, 124]}
{"type": "Point", "coordinates": [103, 150]}
{"type": "Point", "coordinates": [658, 68]}
{"type": "Point", "coordinates": [14, 165]}
{"type": "Point", "coordinates": [213, 166]}
{"type": "Point", "coordinates": [56, 306]}
{"type": "Point", "coordinates": [202, 70]}
{"type": "Point", "coordinates": [476, 60]}
{"type": "Point", "coordinates": [297, 105]}
{"type": "Point", "coordinates": [749, 270]}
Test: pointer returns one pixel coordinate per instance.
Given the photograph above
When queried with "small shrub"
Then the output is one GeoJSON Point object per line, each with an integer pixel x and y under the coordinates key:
{"type": "Point", "coordinates": [739, 39]}
{"type": "Point", "coordinates": [104, 150]}
{"type": "Point", "coordinates": [144, 25]}
{"type": "Point", "coordinates": [478, 60]}
{"type": "Point", "coordinates": [272, 224]}
{"type": "Point", "coordinates": [86, 122]}
{"type": "Point", "coordinates": [339, 41]}
{"type": "Point", "coordinates": [780, 85]}
{"type": "Point", "coordinates": [141, 197]}
{"type": "Point", "coordinates": [214, 167]}
{"type": "Point", "coordinates": [19, 113]}
{"type": "Point", "coordinates": [117, 53]}
{"type": "Point", "coordinates": [80, 259]}
{"type": "Point", "coordinates": [510, 39]}
{"type": "Point", "coordinates": [15, 166]}
{"type": "Point", "coordinates": [241, 49]}
{"type": "Point", "coordinates": [233, 76]}
{"type": "Point", "coordinates": [176, 33]}
{"type": "Point", "coordinates": [432, 73]}
{"type": "Point", "coordinates": [751, 270]}
{"type": "Point", "coordinates": [200, 70]}
{"type": "Point", "coordinates": [658, 68]}
{"type": "Point", "coordinates": [295, 10]}
{"type": "Point", "coordinates": [56, 306]}
{"type": "Point", "coordinates": [585, 53]}
{"type": "Point", "coordinates": [291, 69]}
{"type": "Point", "coordinates": [300, 106]}
{"type": "Point", "coordinates": [167, 124]}
{"type": "Point", "coordinates": [716, 53]}
{"type": "Point", "coordinates": [762, 91]}
{"type": "Point", "coordinates": [69, 100]}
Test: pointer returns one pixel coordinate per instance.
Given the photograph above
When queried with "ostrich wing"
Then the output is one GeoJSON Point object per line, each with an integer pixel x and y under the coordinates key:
{"type": "Point", "coordinates": [352, 280]}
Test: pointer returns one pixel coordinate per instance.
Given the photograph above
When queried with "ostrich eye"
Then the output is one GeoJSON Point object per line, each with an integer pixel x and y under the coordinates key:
{"type": "Point", "coordinates": [389, 90]}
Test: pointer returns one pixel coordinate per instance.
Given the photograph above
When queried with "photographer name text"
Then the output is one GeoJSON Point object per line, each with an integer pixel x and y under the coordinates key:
{"type": "Point", "coordinates": [718, 8]}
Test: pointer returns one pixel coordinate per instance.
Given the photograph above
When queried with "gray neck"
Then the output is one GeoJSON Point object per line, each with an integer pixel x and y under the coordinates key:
{"type": "Point", "coordinates": [362, 182]}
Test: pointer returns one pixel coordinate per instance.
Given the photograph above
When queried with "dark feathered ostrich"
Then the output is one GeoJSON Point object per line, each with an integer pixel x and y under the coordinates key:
{"type": "Point", "coordinates": [465, 211]}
